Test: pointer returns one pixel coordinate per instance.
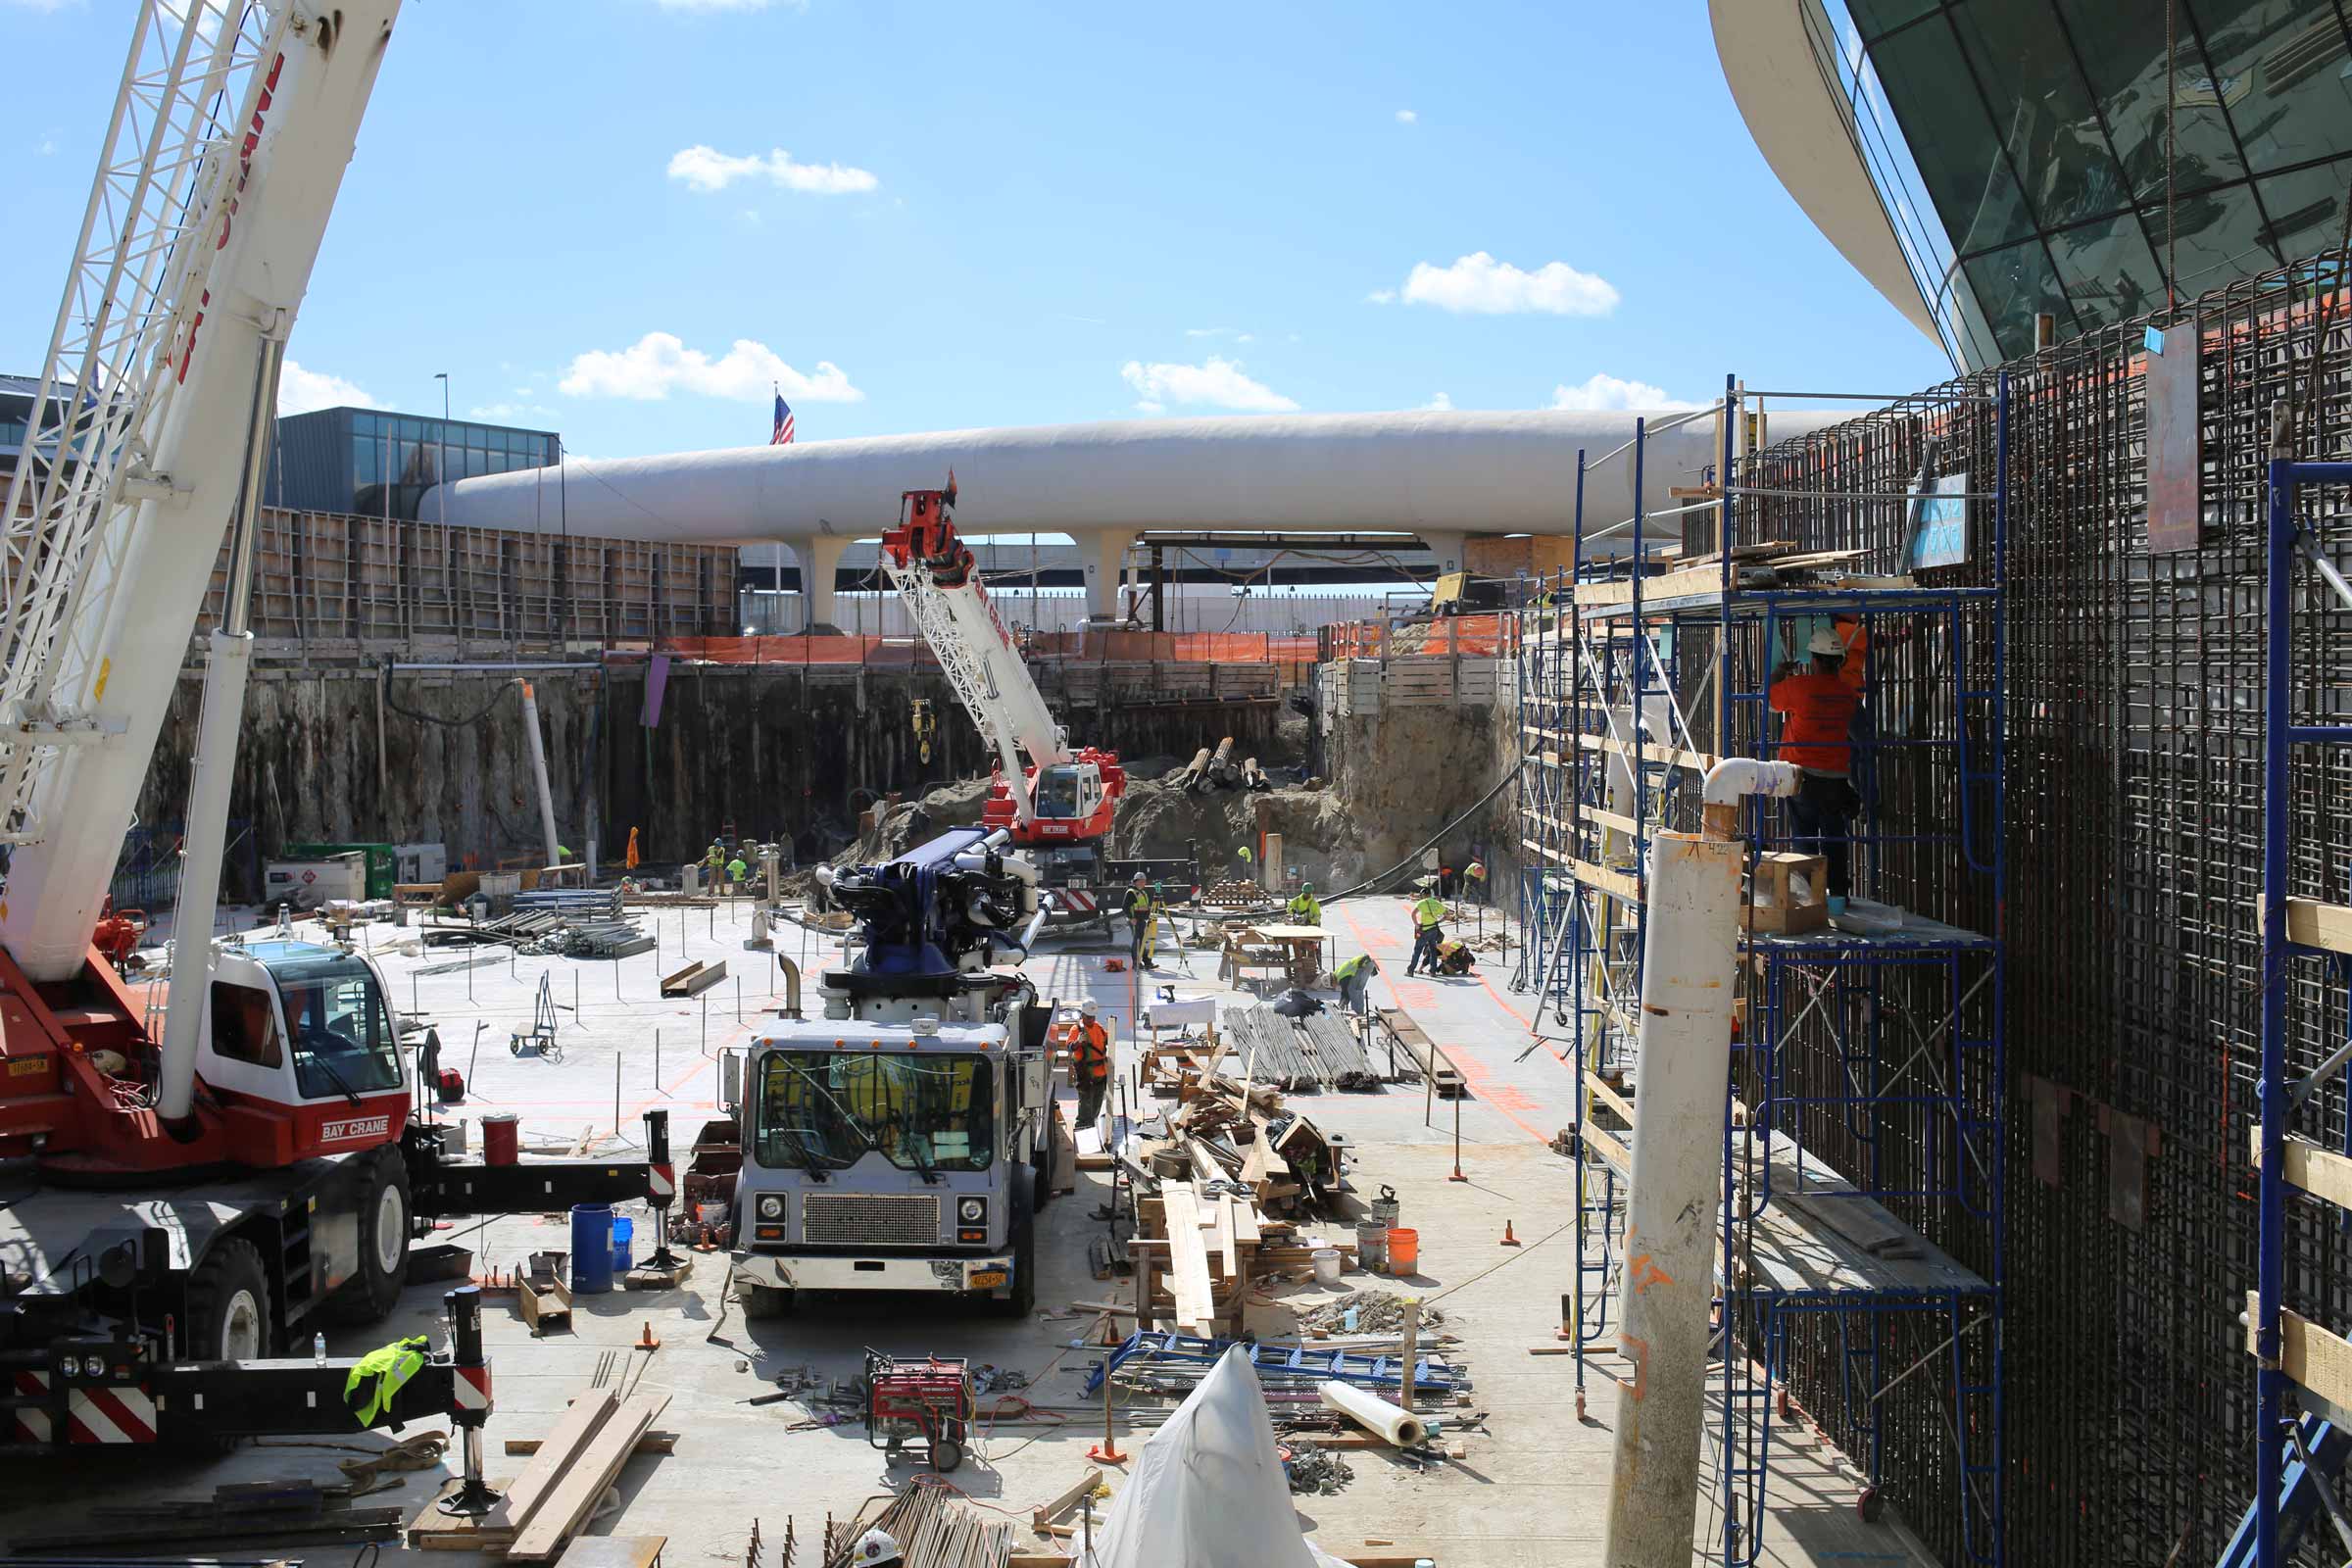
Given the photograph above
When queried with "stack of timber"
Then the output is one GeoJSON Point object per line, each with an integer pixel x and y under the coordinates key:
{"type": "Point", "coordinates": [933, 1528]}
{"type": "Point", "coordinates": [546, 1505]}
{"type": "Point", "coordinates": [1299, 1054]}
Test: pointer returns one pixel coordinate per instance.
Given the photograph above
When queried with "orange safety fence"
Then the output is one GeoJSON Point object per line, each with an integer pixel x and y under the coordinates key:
{"type": "Point", "coordinates": [1471, 636]}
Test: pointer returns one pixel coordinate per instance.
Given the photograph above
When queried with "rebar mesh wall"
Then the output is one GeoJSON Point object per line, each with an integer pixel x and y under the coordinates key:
{"type": "Point", "coordinates": [2133, 838]}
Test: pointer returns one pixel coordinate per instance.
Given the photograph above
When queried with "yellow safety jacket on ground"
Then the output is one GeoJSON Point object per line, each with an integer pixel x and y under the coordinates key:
{"type": "Point", "coordinates": [1304, 910]}
{"type": "Point", "coordinates": [380, 1375]}
{"type": "Point", "coordinates": [1428, 912]}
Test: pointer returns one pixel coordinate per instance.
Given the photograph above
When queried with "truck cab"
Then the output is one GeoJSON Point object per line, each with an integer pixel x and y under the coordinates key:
{"type": "Point", "coordinates": [900, 1142]}
{"type": "Point", "coordinates": [297, 1043]}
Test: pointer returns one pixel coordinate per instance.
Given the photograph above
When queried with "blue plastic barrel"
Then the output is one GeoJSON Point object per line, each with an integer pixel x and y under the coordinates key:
{"type": "Point", "coordinates": [624, 1231]}
{"type": "Point", "coordinates": [591, 1249]}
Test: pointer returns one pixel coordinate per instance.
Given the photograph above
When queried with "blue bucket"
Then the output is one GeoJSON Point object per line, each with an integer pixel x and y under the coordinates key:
{"type": "Point", "coordinates": [624, 1231]}
{"type": "Point", "coordinates": [591, 1249]}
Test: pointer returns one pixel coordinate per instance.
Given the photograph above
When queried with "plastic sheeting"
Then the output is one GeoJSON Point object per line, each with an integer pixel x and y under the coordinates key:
{"type": "Point", "coordinates": [1207, 1489]}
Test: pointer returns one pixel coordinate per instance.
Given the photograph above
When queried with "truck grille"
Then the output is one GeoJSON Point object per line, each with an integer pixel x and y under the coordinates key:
{"type": "Point", "coordinates": [869, 1219]}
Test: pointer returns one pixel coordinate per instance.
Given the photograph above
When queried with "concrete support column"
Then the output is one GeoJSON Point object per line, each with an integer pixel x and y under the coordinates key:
{"type": "Point", "coordinates": [1101, 550]}
{"type": "Point", "coordinates": [1448, 547]}
{"type": "Point", "coordinates": [819, 559]}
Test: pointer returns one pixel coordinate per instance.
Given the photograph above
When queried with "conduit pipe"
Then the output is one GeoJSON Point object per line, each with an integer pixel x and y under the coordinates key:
{"type": "Point", "coordinates": [1690, 958]}
{"type": "Point", "coordinates": [538, 751]}
{"type": "Point", "coordinates": [1375, 1416]}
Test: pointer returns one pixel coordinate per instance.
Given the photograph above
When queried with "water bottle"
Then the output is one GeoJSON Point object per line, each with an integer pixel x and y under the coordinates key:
{"type": "Point", "coordinates": [319, 1348]}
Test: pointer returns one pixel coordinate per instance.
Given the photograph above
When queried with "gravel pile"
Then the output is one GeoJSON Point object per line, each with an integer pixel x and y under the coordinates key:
{"type": "Point", "coordinates": [1364, 1313]}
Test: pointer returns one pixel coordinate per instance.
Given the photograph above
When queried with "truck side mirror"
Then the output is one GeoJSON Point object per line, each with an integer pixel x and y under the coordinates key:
{"type": "Point", "coordinates": [730, 1081]}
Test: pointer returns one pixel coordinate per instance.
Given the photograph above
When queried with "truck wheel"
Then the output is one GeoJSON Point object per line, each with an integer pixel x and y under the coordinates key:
{"type": "Point", "coordinates": [229, 1315]}
{"type": "Point", "coordinates": [764, 1300]}
{"type": "Point", "coordinates": [1021, 1297]}
{"type": "Point", "coordinates": [385, 1213]}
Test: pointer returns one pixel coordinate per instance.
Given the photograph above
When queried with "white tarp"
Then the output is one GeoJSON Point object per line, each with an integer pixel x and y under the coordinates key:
{"type": "Point", "coordinates": [1207, 1489]}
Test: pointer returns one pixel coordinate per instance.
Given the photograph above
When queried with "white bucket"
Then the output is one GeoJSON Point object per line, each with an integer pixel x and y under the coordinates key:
{"type": "Point", "coordinates": [1327, 1264]}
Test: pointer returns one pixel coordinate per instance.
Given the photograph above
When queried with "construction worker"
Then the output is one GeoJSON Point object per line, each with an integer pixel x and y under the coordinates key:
{"type": "Point", "coordinates": [1818, 709]}
{"type": "Point", "coordinates": [1304, 909]}
{"type": "Point", "coordinates": [1354, 976]}
{"type": "Point", "coordinates": [1142, 922]}
{"type": "Point", "coordinates": [878, 1548]}
{"type": "Point", "coordinates": [630, 863]}
{"type": "Point", "coordinates": [737, 871]}
{"type": "Point", "coordinates": [1474, 880]}
{"type": "Point", "coordinates": [1429, 914]}
{"type": "Point", "coordinates": [714, 858]}
{"type": "Point", "coordinates": [1089, 1064]}
{"type": "Point", "coordinates": [1453, 957]}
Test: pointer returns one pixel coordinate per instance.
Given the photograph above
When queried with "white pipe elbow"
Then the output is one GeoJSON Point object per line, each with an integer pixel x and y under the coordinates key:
{"type": "Point", "coordinates": [1735, 776]}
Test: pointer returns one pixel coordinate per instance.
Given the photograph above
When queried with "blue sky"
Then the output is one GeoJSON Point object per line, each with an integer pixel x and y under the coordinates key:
{"type": "Point", "coordinates": [930, 215]}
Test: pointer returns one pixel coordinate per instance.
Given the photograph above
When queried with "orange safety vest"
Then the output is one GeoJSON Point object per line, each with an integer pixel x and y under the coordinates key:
{"type": "Point", "coordinates": [1818, 712]}
{"type": "Point", "coordinates": [1089, 1052]}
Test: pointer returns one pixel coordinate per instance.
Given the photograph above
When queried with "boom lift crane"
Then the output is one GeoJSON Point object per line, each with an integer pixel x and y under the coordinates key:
{"type": "Point", "coordinates": [183, 1203]}
{"type": "Point", "coordinates": [1057, 806]}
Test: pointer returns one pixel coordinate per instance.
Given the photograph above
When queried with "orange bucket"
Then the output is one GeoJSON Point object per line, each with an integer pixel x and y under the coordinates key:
{"type": "Point", "coordinates": [1404, 1251]}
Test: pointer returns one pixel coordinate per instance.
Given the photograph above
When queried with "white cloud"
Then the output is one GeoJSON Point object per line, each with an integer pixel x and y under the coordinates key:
{"type": "Point", "coordinates": [707, 168]}
{"type": "Point", "coordinates": [301, 391]}
{"type": "Point", "coordinates": [1217, 384]}
{"type": "Point", "coordinates": [1439, 403]}
{"type": "Point", "coordinates": [1380, 296]}
{"type": "Point", "coordinates": [1601, 391]}
{"type": "Point", "coordinates": [659, 363]}
{"type": "Point", "coordinates": [1406, 117]}
{"type": "Point", "coordinates": [1234, 333]}
{"type": "Point", "coordinates": [1479, 284]}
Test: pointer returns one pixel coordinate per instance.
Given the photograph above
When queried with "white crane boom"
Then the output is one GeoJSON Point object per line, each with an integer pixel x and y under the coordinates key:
{"type": "Point", "coordinates": [225, 149]}
{"type": "Point", "coordinates": [934, 574]}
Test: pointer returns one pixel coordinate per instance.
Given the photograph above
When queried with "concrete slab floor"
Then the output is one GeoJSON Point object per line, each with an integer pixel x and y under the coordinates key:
{"type": "Point", "coordinates": [1531, 1489]}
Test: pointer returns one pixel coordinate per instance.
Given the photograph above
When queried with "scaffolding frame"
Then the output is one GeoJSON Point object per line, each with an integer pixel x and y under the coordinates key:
{"type": "Point", "coordinates": [1630, 686]}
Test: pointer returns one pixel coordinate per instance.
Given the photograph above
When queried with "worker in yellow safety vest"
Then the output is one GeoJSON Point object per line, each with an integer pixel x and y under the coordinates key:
{"type": "Point", "coordinates": [1304, 909]}
{"type": "Point", "coordinates": [1427, 912]}
{"type": "Point", "coordinates": [1089, 1064]}
{"type": "Point", "coordinates": [1356, 978]}
{"type": "Point", "coordinates": [1143, 921]}
{"type": "Point", "coordinates": [378, 1376]}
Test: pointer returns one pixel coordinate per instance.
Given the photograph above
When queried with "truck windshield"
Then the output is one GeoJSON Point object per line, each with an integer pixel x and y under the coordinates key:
{"type": "Point", "coordinates": [823, 1110]}
{"type": "Point", "coordinates": [1058, 792]}
{"type": "Point", "coordinates": [342, 1035]}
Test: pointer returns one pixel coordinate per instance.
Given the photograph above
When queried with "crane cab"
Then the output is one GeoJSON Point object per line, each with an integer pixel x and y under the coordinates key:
{"type": "Point", "coordinates": [297, 1043]}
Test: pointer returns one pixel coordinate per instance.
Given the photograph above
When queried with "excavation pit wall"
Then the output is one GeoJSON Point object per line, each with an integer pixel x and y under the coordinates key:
{"type": "Point", "coordinates": [339, 755]}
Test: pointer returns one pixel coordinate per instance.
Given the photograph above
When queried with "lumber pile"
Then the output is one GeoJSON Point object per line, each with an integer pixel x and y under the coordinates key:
{"type": "Point", "coordinates": [546, 1505]}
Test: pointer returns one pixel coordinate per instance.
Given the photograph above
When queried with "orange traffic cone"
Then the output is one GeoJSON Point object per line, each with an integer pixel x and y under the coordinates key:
{"type": "Point", "coordinates": [646, 1341]}
{"type": "Point", "coordinates": [1509, 1240]}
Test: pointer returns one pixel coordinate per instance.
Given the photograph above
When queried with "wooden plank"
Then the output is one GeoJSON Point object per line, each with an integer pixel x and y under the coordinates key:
{"type": "Point", "coordinates": [571, 1433]}
{"type": "Point", "coordinates": [2313, 924]}
{"type": "Point", "coordinates": [1045, 1513]}
{"type": "Point", "coordinates": [1196, 1304]}
{"type": "Point", "coordinates": [2315, 1358]}
{"type": "Point", "coordinates": [2322, 1172]}
{"type": "Point", "coordinates": [1611, 1097]}
{"type": "Point", "coordinates": [1610, 1149]}
{"type": "Point", "coordinates": [565, 1508]}
{"type": "Point", "coordinates": [1219, 1229]}
{"type": "Point", "coordinates": [1683, 584]}
{"type": "Point", "coordinates": [651, 1442]}
{"type": "Point", "coordinates": [1244, 1221]}
{"type": "Point", "coordinates": [1651, 751]}
{"type": "Point", "coordinates": [1618, 885]}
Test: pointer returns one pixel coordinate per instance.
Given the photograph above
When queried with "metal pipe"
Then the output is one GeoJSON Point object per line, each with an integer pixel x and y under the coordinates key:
{"type": "Point", "coordinates": [227, 666]}
{"type": "Point", "coordinates": [538, 751]}
{"type": "Point", "coordinates": [1690, 934]}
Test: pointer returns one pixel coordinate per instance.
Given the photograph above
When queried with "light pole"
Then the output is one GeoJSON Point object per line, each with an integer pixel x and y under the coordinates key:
{"type": "Point", "coordinates": [442, 376]}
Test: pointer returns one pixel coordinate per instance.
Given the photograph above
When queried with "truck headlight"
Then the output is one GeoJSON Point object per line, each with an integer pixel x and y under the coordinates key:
{"type": "Point", "coordinates": [971, 1210]}
{"type": "Point", "coordinates": [771, 1206]}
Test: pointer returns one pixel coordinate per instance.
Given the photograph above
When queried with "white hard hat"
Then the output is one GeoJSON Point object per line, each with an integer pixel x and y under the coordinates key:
{"type": "Point", "coordinates": [877, 1545]}
{"type": "Point", "coordinates": [1087, 1006]}
{"type": "Point", "coordinates": [1826, 641]}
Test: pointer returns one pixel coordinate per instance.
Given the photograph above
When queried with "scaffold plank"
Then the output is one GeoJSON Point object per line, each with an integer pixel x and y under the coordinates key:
{"type": "Point", "coordinates": [2313, 924]}
{"type": "Point", "coordinates": [2322, 1172]}
{"type": "Point", "coordinates": [1648, 751]}
{"type": "Point", "coordinates": [2315, 1358]}
{"type": "Point", "coordinates": [1616, 884]}
{"type": "Point", "coordinates": [1683, 584]}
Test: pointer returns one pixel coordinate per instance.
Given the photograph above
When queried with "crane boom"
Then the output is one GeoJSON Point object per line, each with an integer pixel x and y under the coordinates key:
{"type": "Point", "coordinates": [934, 572]}
{"type": "Point", "coordinates": [194, 254]}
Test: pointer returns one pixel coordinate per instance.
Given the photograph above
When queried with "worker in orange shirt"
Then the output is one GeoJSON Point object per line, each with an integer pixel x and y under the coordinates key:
{"type": "Point", "coordinates": [1817, 708]}
{"type": "Point", "coordinates": [1089, 1064]}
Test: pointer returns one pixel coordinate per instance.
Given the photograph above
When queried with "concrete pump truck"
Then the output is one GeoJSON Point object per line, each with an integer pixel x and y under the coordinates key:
{"type": "Point", "coordinates": [176, 1207]}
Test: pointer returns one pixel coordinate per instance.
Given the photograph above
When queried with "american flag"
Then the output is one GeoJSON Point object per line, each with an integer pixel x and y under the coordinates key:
{"type": "Point", "coordinates": [783, 435]}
